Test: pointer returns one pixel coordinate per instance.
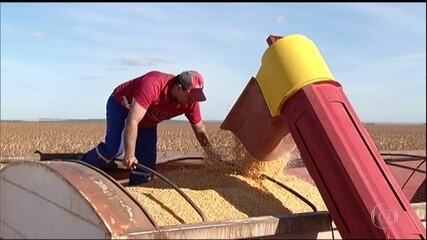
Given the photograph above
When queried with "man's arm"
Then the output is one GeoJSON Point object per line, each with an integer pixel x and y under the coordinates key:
{"type": "Point", "coordinates": [202, 136]}
{"type": "Point", "coordinates": [135, 115]}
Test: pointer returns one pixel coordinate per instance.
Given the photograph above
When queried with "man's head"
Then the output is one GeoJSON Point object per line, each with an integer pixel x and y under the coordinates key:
{"type": "Point", "coordinates": [188, 87]}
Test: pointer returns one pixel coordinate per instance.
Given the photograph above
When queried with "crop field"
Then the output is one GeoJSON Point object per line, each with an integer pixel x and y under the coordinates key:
{"type": "Point", "coordinates": [223, 192]}
{"type": "Point", "coordinates": [25, 137]}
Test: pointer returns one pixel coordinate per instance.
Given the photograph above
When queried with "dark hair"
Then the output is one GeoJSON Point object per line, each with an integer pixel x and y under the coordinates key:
{"type": "Point", "coordinates": [177, 81]}
{"type": "Point", "coordinates": [184, 79]}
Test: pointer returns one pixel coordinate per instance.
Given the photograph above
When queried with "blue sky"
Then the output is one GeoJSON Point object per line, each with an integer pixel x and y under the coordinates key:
{"type": "Point", "coordinates": [62, 60]}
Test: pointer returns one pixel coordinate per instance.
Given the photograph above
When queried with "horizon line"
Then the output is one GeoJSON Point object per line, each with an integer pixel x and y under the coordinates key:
{"type": "Point", "coordinates": [171, 120]}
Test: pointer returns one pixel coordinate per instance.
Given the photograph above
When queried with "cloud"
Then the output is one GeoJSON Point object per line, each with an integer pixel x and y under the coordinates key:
{"type": "Point", "coordinates": [92, 77]}
{"type": "Point", "coordinates": [146, 62]}
{"type": "Point", "coordinates": [36, 34]}
{"type": "Point", "coordinates": [402, 16]}
{"type": "Point", "coordinates": [115, 15]}
{"type": "Point", "coordinates": [279, 19]}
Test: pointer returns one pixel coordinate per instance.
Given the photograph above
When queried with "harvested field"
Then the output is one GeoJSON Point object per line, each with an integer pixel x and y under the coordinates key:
{"type": "Point", "coordinates": [394, 137]}
{"type": "Point", "coordinates": [25, 137]}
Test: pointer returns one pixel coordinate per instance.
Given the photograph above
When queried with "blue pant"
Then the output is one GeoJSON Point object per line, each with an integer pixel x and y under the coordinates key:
{"type": "Point", "coordinates": [104, 152]}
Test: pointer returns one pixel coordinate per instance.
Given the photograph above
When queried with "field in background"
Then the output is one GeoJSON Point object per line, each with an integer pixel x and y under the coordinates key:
{"type": "Point", "coordinates": [25, 137]}
{"type": "Point", "coordinates": [68, 137]}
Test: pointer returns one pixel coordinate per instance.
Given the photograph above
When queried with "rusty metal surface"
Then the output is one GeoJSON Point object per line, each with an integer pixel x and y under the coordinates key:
{"type": "Point", "coordinates": [39, 156]}
{"type": "Point", "coordinates": [167, 156]}
{"type": "Point", "coordinates": [162, 157]}
{"type": "Point", "coordinates": [119, 213]}
{"type": "Point", "coordinates": [168, 160]}
{"type": "Point", "coordinates": [53, 156]}
{"type": "Point", "coordinates": [44, 205]}
{"type": "Point", "coordinates": [118, 174]}
{"type": "Point", "coordinates": [27, 157]}
{"type": "Point", "coordinates": [264, 137]}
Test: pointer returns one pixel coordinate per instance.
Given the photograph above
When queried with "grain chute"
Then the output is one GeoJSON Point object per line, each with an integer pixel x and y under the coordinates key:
{"type": "Point", "coordinates": [301, 98]}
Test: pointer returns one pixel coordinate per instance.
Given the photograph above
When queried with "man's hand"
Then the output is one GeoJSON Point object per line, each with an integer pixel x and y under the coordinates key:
{"type": "Point", "coordinates": [129, 162]}
{"type": "Point", "coordinates": [211, 153]}
{"type": "Point", "coordinates": [202, 136]}
{"type": "Point", "coordinates": [136, 113]}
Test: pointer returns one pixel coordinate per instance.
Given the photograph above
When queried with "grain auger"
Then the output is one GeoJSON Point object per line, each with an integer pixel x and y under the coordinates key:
{"type": "Point", "coordinates": [295, 96]}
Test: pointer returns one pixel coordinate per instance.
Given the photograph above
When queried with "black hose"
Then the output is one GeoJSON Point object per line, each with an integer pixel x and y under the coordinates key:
{"type": "Point", "coordinates": [401, 160]}
{"type": "Point", "coordinates": [330, 224]}
{"type": "Point", "coordinates": [406, 167]}
{"type": "Point", "coordinates": [404, 155]}
{"type": "Point", "coordinates": [388, 161]}
{"type": "Point", "coordinates": [291, 191]}
{"type": "Point", "coordinates": [180, 159]}
{"type": "Point", "coordinates": [198, 210]}
{"type": "Point", "coordinates": [283, 186]}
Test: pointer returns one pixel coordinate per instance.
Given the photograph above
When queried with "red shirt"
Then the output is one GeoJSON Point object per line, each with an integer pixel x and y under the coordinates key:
{"type": "Point", "coordinates": [152, 91]}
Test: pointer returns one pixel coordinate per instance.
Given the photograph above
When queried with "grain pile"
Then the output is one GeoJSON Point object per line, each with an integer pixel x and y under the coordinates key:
{"type": "Point", "coordinates": [221, 196]}
{"type": "Point", "coordinates": [249, 166]}
{"type": "Point", "coordinates": [226, 190]}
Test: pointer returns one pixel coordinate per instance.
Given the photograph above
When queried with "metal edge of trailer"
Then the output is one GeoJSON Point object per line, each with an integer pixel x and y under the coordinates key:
{"type": "Point", "coordinates": [314, 225]}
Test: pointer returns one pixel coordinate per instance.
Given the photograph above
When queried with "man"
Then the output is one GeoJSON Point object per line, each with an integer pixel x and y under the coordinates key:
{"type": "Point", "coordinates": [134, 110]}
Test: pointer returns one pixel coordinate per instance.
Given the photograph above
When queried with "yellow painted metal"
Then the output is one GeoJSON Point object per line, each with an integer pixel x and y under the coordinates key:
{"type": "Point", "coordinates": [289, 64]}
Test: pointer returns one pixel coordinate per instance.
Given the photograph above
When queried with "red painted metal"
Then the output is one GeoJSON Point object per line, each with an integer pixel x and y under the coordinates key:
{"type": "Point", "coordinates": [358, 188]}
{"type": "Point", "coordinates": [266, 138]}
{"type": "Point", "coordinates": [409, 181]}
{"type": "Point", "coordinates": [272, 39]}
